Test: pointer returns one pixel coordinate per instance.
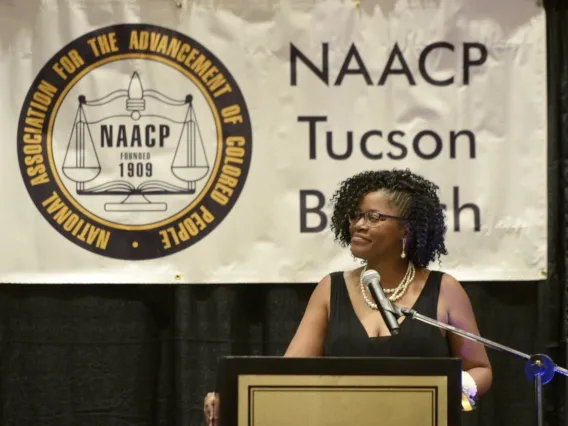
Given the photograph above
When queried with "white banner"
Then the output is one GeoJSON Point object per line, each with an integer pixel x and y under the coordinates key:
{"type": "Point", "coordinates": [149, 143]}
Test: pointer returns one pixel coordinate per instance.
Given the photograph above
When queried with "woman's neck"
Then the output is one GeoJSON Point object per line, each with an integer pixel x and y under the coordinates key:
{"type": "Point", "coordinates": [391, 272]}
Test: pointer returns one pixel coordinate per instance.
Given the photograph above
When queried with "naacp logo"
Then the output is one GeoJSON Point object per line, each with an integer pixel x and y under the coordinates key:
{"type": "Point", "coordinates": [134, 142]}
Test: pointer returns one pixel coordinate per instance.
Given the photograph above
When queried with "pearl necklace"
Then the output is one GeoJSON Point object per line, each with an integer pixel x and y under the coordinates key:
{"type": "Point", "coordinates": [397, 292]}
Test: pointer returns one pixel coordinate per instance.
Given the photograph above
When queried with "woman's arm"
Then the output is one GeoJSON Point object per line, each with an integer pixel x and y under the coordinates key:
{"type": "Point", "coordinates": [460, 315]}
{"type": "Point", "coordinates": [310, 336]}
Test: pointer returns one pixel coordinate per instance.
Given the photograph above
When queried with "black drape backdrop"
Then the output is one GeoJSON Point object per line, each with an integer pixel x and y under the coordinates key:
{"type": "Point", "coordinates": [146, 355]}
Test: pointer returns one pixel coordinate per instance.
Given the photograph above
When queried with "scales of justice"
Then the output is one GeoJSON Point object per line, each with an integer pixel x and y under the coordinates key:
{"type": "Point", "coordinates": [189, 164]}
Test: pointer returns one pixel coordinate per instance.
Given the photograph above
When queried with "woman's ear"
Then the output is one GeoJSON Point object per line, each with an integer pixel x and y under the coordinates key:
{"type": "Point", "coordinates": [406, 231]}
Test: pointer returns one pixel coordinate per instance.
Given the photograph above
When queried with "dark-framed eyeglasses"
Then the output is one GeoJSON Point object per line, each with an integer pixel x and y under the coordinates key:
{"type": "Point", "coordinates": [372, 217]}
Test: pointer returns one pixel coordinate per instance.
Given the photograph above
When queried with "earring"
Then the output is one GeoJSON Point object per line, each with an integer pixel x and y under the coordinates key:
{"type": "Point", "coordinates": [403, 254]}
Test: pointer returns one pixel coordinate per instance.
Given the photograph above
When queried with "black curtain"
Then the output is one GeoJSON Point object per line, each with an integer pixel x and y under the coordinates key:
{"type": "Point", "coordinates": [146, 355]}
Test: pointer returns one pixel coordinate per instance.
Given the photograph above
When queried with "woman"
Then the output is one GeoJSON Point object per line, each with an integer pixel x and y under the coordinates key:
{"type": "Point", "coordinates": [394, 222]}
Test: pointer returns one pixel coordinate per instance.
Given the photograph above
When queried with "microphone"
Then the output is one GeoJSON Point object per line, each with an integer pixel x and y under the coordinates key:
{"type": "Point", "coordinates": [389, 313]}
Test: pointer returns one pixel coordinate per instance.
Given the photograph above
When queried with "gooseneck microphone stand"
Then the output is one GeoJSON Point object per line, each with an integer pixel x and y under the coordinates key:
{"type": "Point", "coordinates": [539, 367]}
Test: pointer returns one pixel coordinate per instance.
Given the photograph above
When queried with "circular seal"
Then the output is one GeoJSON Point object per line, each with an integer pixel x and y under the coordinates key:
{"type": "Point", "coordinates": [134, 142]}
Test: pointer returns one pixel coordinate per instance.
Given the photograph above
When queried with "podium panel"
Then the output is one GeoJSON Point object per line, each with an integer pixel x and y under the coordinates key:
{"type": "Point", "coordinates": [276, 391]}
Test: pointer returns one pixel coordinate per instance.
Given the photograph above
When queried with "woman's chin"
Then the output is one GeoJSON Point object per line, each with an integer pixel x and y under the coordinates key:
{"type": "Point", "coordinates": [358, 252]}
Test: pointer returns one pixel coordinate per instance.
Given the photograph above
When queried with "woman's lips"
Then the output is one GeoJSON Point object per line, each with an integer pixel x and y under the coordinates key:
{"type": "Point", "coordinates": [359, 239]}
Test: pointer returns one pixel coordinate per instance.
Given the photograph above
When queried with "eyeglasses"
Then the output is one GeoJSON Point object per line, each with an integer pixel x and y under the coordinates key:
{"type": "Point", "coordinates": [372, 217]}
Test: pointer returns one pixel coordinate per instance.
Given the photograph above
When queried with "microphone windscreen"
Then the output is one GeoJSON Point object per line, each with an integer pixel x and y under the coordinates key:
{"type": "Point", "coordinates": [369, 276]}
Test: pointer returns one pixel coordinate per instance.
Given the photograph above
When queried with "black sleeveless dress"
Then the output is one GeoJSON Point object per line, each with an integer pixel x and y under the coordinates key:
{"type": "Point", "coordinates": [347, 336]}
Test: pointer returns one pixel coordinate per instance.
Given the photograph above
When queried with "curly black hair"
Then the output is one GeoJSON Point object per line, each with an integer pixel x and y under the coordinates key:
{"type": "Point", "coordinates": [415, 197]}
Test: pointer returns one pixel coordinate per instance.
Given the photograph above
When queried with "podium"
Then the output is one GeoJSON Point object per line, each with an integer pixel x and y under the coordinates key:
{"type": "Point", "coordinates": [328, 391]}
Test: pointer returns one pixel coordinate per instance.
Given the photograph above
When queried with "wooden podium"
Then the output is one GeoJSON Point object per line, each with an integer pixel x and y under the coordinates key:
{"type": "Point", "coordinates": [277, 391]}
